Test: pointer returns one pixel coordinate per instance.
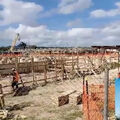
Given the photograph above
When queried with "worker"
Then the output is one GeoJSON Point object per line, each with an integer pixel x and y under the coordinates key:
{"type": "Point", "coordinates": [16, 78]}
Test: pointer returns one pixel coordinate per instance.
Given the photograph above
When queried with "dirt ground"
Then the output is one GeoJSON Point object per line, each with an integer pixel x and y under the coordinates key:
{"type": "Point", "coordinates": [42, 103]}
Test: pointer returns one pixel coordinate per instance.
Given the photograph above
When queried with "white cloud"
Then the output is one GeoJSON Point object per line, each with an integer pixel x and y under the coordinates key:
{"type": "Point", "coordinates": [71, 6]}
{"type": "Point", "coordinates": [99, 13]}
{"type": "Point", "coordinates": [42, 36]}
{"type": "Point", "coordinates": [15, 11]}
{"type": "Point", "coordinates": [75, 23]}
{"type": "Point", "coordinates": [49, 13]}
{"type": "Point", "coordinates": [117, 4]}
{"type": "Point", "coordinates": [68, 7]}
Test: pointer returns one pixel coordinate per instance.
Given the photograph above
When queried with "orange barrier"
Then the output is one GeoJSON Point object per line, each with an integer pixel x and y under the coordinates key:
{"type": "Point", "coordinates": [93, 101]}
{"type": "Point", "coordinates": [115, 54]}
{"type": "Point", "coordinates": [90, 109]}
{"type": "Point", "coordinates": [11, 55]}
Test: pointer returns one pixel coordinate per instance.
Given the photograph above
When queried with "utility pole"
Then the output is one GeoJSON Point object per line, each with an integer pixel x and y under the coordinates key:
{"type": "Point", "coordinates": [106, 79]}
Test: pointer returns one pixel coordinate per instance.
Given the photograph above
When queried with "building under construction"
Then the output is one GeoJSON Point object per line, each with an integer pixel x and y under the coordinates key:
{"type": "Point", "coordinates": [55, 80]}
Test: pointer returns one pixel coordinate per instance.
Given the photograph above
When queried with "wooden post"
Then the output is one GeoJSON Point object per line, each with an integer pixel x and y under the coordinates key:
{"type": "Point", "coordinates": [2, 102]}
{"type": "Point", "coordinates": [106, 79]}
{"type": "Point", "coordinates": [92, 56]}
{"type": "Point", "coordinates": [118, 60]}
{"type": "Point", "coordinates": [16, 63]}
{"type": "Point", "coordinates": [88, 116]}
{"type": "Point", "coordinates": [18, 59]}
{"type": "Point", "coordinates": [45, 72]}
{"type": "Point", "coordinates": [87, 91]}
{"type": "Point", "coordinates": [28, 68]}
{"type": "Point", "coordinates": [77, 60]}
{"type": "Point", "coordinates": [56, 69]}
{"type": "Point", "coordinates": [110, 59]}
{"type": "Point", "coordinates": [32, 61]}
{"type": "Point", "coordinates": [72, 64]}
{"type": "Point", "coordinates": [62, 69]}
{"type": "Point", "coordinates": [1, 91]}
{"type": "Point", "coordinates": [83, 84]}
{"type": "Point", "coordinates": [6, 59]}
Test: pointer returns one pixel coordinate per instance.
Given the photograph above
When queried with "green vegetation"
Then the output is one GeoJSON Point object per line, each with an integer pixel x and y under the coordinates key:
{"type": "Point", "coordinates": [3, 49]}
{"type": "Point", "coordinates": [117, 119]}
{"type": "Point", "coordinates": [111, 113]}
{"type": "Point", "coordinates": [115, 65]}
{"type": "Point", "coordinates": [73, 115]}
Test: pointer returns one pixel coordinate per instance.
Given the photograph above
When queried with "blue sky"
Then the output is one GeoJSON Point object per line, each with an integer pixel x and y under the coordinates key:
{"type": "Point", "coordinates": [53, 20]}
{"type": "Point", "coordinates": [60, 22]}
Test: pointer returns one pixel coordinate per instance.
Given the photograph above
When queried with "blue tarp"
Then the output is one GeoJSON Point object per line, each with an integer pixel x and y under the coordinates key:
{"type": "Point", "coordinates": [117, 97]}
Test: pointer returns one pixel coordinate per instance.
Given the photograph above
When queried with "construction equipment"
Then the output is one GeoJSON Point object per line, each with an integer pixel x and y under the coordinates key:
{"type": "Point", "coordinates": [14, 42]}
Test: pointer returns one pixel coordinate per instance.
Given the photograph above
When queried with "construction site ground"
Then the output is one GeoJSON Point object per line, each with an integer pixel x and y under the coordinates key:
{"type": "Point", "coordinates": [42, 102]}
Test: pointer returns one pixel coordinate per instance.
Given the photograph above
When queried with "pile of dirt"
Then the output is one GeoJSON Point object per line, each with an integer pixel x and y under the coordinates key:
{"type": "Point", "coordinates": [18, 106]}
{"type": "Point", "coordinates": [22, 91]}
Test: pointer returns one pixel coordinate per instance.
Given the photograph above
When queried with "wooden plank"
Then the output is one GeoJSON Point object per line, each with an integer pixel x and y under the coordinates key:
{"type": "Point", "coordinates": [79, 99]}
{"type": "Point", "coordinates": [2, 101]}
{"type": "Point", "coordinates": [63, 100]}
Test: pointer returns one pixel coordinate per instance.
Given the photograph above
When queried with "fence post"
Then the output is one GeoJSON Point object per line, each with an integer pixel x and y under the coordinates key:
{"type": "Point", "coordinates": [118, 60]}
{"type": "Point", "coordinates": [2, 102]}
{"type": "Point", "coordinates": [32, 60]}
{"type": "Point", "coordinates": [56, 69]}
{"type": "Point", "coordinates": [45, 72]}
{"type": "Point", "coordinates": [88, 116]}
{"type": "Point", "coordinates": [6, 59]}
{"type": "Point", "coordinates": [62, 68]}
{"type": "Point", "coordinates": [77, 60]}
{"type": "Point", "coordinates": [83, 84]}
{"type": "Point", "coordinates": [72, 62]}
{"type": "Point", "coordinates": [16, 63]}
{"type": "Point", "coordinates": [72, 65]}
{"type": "Point", "coordinates": [106, 79]}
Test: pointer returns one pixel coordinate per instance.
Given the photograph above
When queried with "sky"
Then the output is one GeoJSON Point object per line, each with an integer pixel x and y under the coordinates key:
{"type": "Point", "coordinates": [60, 23]}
